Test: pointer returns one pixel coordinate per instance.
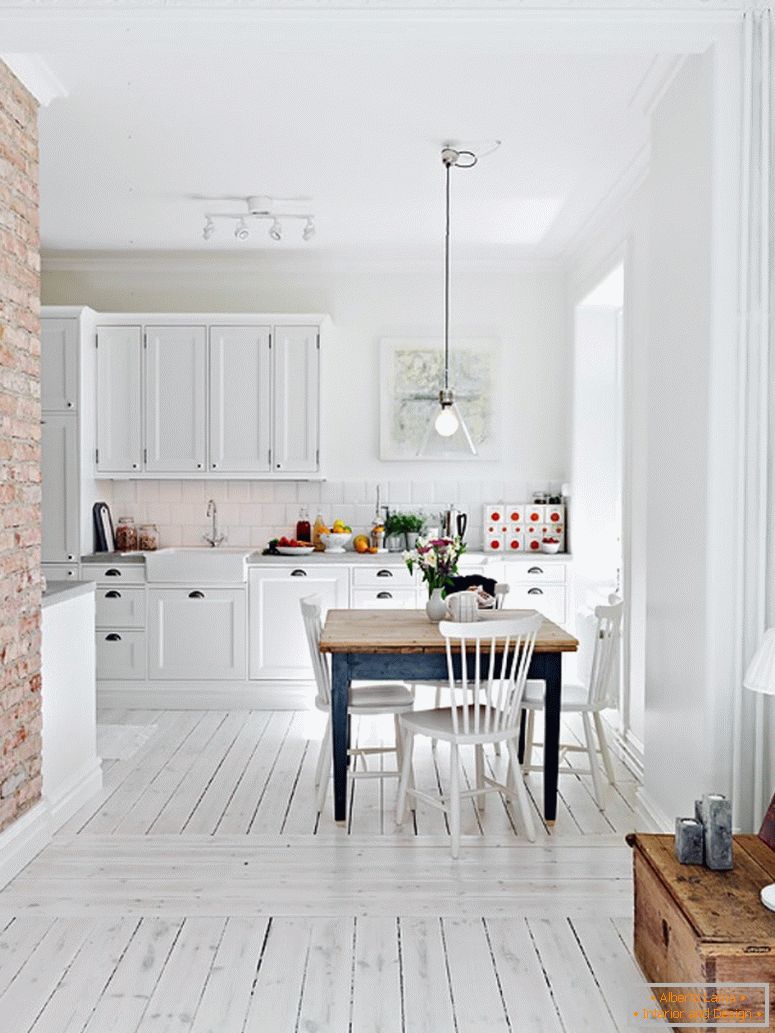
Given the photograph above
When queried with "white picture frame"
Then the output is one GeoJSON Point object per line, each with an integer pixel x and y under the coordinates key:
{"type": "Point", "coordinates": [411, 374]}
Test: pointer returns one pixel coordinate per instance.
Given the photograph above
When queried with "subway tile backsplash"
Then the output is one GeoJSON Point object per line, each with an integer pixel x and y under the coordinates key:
{"type": "Point", "coordinates": [252, 512]}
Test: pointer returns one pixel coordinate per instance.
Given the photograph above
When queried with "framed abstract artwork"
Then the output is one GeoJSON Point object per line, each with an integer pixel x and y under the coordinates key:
{"type": "Point", "coordinates": [411, 373]}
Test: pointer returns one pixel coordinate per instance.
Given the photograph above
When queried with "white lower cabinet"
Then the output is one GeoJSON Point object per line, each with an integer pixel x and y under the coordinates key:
{"type": "Point", "coordinates": [120, 655]}
{"type": "Point", "coordinates": [196, 634]}
{"type": "Point", "coordinates": [547, 599]}
{"type": "Point", "coordinates": [278, 648]}
{"type": "Point", "coordinates": [384, 599]}
{"type": "Point", "coordinates": [120, 607]}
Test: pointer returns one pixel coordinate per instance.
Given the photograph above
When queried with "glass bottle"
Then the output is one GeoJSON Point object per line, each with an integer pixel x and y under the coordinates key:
{"type": "Point", "coordinates": [126, 535]}
{"type": "Point", "coordinates": [303, 528]}
{"type": "Point", "coordinates": [148, 537]}
{"type": "Point", "coordinates": [320, 527]}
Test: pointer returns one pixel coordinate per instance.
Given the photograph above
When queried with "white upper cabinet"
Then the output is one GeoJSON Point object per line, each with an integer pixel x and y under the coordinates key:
{"type": "Point", "coordinates": [295, 376]}
{"type": "Point", "coordinates": [59, 365]}
{"type": "Point", "coordinates": [240, 398]}
{"type": "Point", "coordinates": [59, 488]}
{"type": "Point", "coordinates": [176, 398]}
{"type": "Point", "coordinates": [119, 399]}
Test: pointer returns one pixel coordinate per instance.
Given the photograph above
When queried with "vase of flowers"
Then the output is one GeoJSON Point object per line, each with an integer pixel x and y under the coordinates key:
{"type": "Point", "coordinates": [436, 559]}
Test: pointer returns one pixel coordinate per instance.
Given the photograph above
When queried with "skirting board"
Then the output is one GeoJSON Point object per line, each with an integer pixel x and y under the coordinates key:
{"type": "Point", "coordinates": [23, 840]}
{"type": "Point", "coordinates": [216, 695]}
{"type": "Point", "coordinates": [70, 798]}
{"type": "Point", "coordinates": [651, 815]}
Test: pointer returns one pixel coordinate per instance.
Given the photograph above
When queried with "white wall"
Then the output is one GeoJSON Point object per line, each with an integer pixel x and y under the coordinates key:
{"type": "Point", "coordinates": [521, 308]}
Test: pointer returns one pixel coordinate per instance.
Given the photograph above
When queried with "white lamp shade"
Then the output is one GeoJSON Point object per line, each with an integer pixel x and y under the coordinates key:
{"type": "Point", "coordinates": [760, 676]}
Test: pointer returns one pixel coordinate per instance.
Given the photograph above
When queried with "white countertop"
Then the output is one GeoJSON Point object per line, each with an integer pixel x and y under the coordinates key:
{"type": "Point", "coordinates": [59, 591]}
{"type": "Point", "coordinates": [381, 559]}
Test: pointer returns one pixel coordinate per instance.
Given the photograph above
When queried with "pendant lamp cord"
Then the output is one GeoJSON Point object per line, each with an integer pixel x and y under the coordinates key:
{"type": "Point", "coordinates": [446, 286]}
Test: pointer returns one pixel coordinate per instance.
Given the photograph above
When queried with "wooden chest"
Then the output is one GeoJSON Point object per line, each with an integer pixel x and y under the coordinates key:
{"type": "Point", "coordinates": [693, 925]}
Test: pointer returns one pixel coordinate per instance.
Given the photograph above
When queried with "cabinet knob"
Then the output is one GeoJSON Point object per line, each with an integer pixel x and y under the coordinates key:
{"type": "Point", "coordinates": [112, 572]}
{"type": "Point", "coordinates": [113, 595]}
{"type": "Point", "coordinates": [134, 466]}
{"type": "Point", "coordinates": [113, 637]}
{"type": "Point", "coordinates": [298, 573]}
{"type": "Point", "coordinates": [199, 466]}
{"type": "Point", "coordinates": [384, 595]}
{"type": "Point", "coordinates": [69, 405]}
{"type": "Point", "coordinates": [384, 573]}
{"type": "Point", "coordinates": [535, 591]}
{"type": "Point", "coordinates": [71, 558]}
{"type": "Point", "coordinates": [535, 570]}
{"type": "Point", "coordinates": [196, 595]}
{"type": "Point", "coordinates": [278, 466]}
{"type": "Point", "coordinates": [215, 466]}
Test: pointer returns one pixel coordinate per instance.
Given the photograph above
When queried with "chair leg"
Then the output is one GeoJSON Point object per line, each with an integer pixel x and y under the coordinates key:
{"type": "Point", "coordinates": [529, 739]}
{"type": "Point", "coordinates": [322, 752]}
{"type": "Point", "coordinates": [324, 762]}
{"type": "Point", "coordinates": [454, 798]}
{"type": "Point", "coordinates": [480, 800]}
{"type": "Point", "coordinates": [407, 748]}
{"type": "Point", "coordinates": [497, 749]}
{"type": "Point", "coordinates": [436, 705]}
{"type": "Point", "coordinates": [605, 752]}
{"type": "Point", "coordinates": [518, 784]}
{"type": "Point", "coordinates": [594, 767]}
{"type": "Point", "coordinates": [399, 742]}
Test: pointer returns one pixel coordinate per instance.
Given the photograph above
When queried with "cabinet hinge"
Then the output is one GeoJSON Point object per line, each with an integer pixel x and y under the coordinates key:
{"type": "Point", "coordinates": [96, 455]}
{"type": "Point", "coordinates": [145, 340]}
{"type": "Point", "coordinates": [145, 455]}
{"type": "Point", "coordinates": [318, 342]}
{"type": "Point", "coordinates": [317, 457]}
{"type": "Point", "coordinates": [270, 340]}
{"type": "Point", "coordinates": [270, 457]}
{"type": "Point", "coordinates": [96, 340]}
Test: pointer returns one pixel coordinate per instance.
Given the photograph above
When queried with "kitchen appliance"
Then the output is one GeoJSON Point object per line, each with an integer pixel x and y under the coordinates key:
{"type": "Point", "coordinates": [104, 539]}
{"type": "Point", "coordinates": [453, 523]}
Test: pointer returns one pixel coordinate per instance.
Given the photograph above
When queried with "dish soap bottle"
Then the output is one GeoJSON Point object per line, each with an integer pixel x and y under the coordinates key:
{"type": "Point", "coordinates": [303, 529]}
{"type": "Point", "coordinates": [320, 527]}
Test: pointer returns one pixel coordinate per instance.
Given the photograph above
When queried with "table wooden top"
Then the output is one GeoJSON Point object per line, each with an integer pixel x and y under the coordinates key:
{"type": "Point", "coordinates": [410, 631]}
{"type": "Point", "coordinates": [722, 907]}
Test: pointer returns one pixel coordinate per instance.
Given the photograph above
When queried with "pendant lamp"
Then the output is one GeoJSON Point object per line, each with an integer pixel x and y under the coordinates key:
{"type": "Point", "coordinates": [447, 421]}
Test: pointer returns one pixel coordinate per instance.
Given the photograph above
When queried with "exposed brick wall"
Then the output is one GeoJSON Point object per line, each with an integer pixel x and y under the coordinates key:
{"type": "Point", "coordinates": [20, 714]}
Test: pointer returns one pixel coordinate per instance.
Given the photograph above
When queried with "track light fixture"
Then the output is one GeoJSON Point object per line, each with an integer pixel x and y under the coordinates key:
{"type": "Point", "coordinates": [260, 207]}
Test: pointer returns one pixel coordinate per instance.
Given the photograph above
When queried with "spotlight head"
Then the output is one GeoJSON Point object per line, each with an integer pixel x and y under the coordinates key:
{"type": "Point", "coordinates": [309, 230]}
{"type": "Point", "coordinates": [241, 232]}
{"type": "Point", "coordinates": [275, 231]}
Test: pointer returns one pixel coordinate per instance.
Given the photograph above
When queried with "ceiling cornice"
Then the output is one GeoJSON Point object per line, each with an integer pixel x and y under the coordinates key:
{"type": "Point", "coordinates": [574, 8]}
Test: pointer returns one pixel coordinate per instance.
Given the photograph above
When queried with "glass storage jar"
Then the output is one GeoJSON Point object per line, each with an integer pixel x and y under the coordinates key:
{"type": "Point", "coordinates": [126, 535]}
{"type": "Point", "coordinates": [148, 538]}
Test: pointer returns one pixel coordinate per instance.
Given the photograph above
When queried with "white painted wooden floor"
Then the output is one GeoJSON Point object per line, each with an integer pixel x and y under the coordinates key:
{"type": "Point", "coordinates": [200, 892]}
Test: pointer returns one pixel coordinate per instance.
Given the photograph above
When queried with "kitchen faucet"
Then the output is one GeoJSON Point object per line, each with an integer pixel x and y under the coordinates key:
{"type": "Point", "coordinates": [215, 537]}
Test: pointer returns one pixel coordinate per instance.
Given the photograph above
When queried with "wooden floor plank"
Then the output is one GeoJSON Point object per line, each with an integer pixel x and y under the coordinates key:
{"type": "Point", "coordinates": [273, 804]}
{"type": "Point", "coordinates": [476, 996]}
{"type": "Point", "coordinates": [75, 998]}
{"type": "Point", "coordinates": [280, 982]}
{"type": "Point", "coordinates": [377, 1004]}
{"type": "Point", "coordinates": [126, 997]}
{"type": "Point", "coordinates": [17, 942]}
{"type": "Point", "coordinates": [526, 994]}
{"type": "Point", "coordinates": [578, 998]}
{"type": "Point", "coordinates": [176, 995]}
{"type": "Point", "coordinates": [226, 996]}
{"type": "Point", "coordinates": [325, 1003]}
{"type": "Point", "coordinates": [238, 815]}
{"type": "Point", "coordinates": [427, 1001]}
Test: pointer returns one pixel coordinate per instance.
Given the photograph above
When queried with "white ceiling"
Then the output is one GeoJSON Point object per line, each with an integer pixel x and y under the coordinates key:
{"type": "Point", "coordinates": [353, 118]}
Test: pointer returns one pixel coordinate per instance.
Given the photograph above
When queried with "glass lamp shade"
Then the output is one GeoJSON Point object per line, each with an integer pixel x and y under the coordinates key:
{"type": "Point", "coordinates": [447, 435]}
{"type": "Point", "coordinates": [446, 422]}
{"type": "Point", "coordinates": [760, 676]}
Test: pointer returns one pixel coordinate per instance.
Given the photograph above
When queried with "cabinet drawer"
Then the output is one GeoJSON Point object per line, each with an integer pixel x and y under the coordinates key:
{"type": "Point", "coordinates": [384, 598]}
{"type": "Point", "coordinates": [120, 607]}
{"type": "Point", "coordinates": [60, 571]}
{"type": "Point", "coordinates": [115, 573]}
{"type": "Point", "coordinates": [120, 655]}
{"type": "Point", "coordinates": [550, 600]}
{"type": "Point", "coordinates": [382, 577]}
{"type": "Point", "coordinates": [535, 572]}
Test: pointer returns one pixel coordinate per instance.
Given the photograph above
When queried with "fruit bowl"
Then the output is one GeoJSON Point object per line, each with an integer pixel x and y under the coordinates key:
{"type": "Point", "coordinates": [335, 541]}
{"type": "Point", "coordinates": [550, 546]}
{"type": "Point", "coordinates": [295, 550]}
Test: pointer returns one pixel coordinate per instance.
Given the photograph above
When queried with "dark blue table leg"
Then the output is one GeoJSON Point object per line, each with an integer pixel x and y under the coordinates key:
{"type": "Point", "coordinates": [340, 691]}
{"type": "Point", "coordinates": [521, 743]}
{"type": "Point", "coordinates": [552, 665]}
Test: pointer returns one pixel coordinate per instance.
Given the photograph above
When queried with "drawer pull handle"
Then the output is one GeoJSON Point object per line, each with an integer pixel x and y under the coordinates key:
{"type": "Point", "coordinates": [298, 573]}
{"type": "Point", "coordinates": [535, 570]}
{"type": "Point", "coordinates": [196, 595]}
{"type": "Point", "coordinates": [113, 637]}
{"type": "Point", "coordinates": [535, 591]}
{"type": "Point", "coordinates": [384, 595]}
{"type": "Point", "coordinates": [112, 572]}
{"type": "Point", "coordinates": [113, 595]}
{"type": "Point", "coordinates": [384, 573]}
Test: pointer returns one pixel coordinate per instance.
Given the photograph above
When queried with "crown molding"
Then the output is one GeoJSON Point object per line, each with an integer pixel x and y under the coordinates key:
{"type": "Point", "coordinates": [572, 7]}
{"type": "Point", "coordinates": [34, 73]}
{"type": "Point", "coordinates": [247, 263]}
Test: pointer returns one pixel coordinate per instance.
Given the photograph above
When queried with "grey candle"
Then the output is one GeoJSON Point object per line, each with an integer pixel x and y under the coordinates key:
{"type": "Point", "coordinates": [689, 845]}
{"type": "Point", "coordinates": [717, 820]}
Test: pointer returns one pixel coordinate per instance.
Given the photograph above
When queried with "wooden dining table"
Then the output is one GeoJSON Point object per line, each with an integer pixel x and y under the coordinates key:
{"type": "Point", "coordinates": [403, 645]}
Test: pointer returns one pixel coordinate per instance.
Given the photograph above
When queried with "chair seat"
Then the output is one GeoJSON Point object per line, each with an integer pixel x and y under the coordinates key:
{"type": "Point", "coordinates": [575, 697]}
{"type": "Point", "coordinates": [376, 696]}
{"type": "Point", "coordinates": [438, 725]}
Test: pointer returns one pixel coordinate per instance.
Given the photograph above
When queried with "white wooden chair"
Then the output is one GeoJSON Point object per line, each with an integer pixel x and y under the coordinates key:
{"type": "Point", "coordinates": [373, 698]}
{"type": "Point", "coordinates": [486, 708]}
{"type": "Point", "coordinates": [501, 591]}
{"type": "Point", "coordinates": [588, 700]}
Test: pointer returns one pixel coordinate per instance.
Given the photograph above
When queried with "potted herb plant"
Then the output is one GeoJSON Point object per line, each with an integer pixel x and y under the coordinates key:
{"type": "Point", "coordinates": [395, 540]}
{"type": "Point", "coordinates": [414, 525]}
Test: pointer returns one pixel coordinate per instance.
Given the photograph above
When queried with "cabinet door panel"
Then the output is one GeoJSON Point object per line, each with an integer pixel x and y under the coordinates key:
{"type": "Point", "coordinates": [197, 634]}
{"type": "Point", "coordinates": [176, 403]}
{"type": "Point", "coordinates": [295, 378]}
{"type": "Point", "coordinates": [59, 365]}
{"type": "Point", "coordinates": [239, 398]}
{"type": "Point", "coordinates": [120, 655]}
{"type": "Point", "coordinates": [119, 399]}
{"type": "Point", "coordinates": [278, 648]}
{"type": "Point", "coordinates": [59, 488]}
